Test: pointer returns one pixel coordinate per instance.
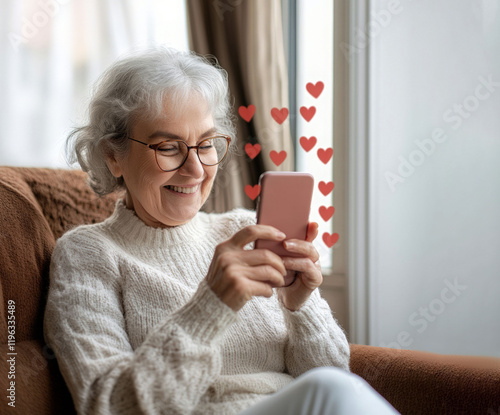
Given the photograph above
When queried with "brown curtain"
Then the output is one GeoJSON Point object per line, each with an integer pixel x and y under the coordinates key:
{"type": "Point", "coordinates": [246, 37]}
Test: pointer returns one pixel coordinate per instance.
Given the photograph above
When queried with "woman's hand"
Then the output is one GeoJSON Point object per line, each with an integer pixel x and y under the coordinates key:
{"type": "Point", "coordinates": [309, 275]}
{"type": "Point", "coordinates": [236, 275]}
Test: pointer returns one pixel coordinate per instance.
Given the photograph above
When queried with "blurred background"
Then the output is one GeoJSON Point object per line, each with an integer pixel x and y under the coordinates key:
{"type": "Point", "coordinates": [410, 105]}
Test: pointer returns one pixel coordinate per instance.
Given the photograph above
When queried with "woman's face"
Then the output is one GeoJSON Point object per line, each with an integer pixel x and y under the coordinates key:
{"type": "Point", "coordinates": [149, 189]}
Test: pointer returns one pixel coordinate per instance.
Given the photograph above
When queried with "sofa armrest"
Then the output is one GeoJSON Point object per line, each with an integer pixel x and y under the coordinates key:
{"type": "Point", "coordinates": [416, 382]}
{"type": "Point", "coordinates": [39, 387]}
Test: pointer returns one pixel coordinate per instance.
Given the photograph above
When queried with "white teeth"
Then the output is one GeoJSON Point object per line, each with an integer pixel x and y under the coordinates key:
{"type": "Point", "coordinates": [184, 189]}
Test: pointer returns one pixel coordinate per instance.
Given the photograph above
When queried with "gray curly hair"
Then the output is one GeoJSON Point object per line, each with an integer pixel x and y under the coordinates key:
{"type": "Point", "coordinates": [137, 86]}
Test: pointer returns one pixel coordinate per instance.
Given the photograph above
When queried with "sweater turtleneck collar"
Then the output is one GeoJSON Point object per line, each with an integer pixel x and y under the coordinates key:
{"type": "Point", "coordinates": [127, 224]}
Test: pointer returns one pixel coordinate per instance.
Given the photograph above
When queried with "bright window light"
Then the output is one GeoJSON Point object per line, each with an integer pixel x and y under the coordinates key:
{"type": "Point", "coordinates": [315, 64]}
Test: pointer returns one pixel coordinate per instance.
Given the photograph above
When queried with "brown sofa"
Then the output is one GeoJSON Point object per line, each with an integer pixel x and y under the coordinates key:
{"type": "Point", "coordinates": [38, 205]}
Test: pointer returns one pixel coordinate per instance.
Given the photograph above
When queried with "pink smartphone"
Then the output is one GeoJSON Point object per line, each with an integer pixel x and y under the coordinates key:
{"type": "Point", "coordinates": [285, 203]}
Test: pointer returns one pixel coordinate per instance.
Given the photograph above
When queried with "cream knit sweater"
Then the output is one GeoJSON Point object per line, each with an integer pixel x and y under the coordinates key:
{"type": "Point", "coordinates": [136, 329]}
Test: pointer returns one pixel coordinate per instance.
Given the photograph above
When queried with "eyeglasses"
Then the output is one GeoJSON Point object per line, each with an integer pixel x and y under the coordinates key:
{"type": "Point", "coordinates": [172, 154]}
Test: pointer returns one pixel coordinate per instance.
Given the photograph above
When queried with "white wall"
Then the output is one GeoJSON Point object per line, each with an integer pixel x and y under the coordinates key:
{"type": "Point", "coordinates": [434, 207]}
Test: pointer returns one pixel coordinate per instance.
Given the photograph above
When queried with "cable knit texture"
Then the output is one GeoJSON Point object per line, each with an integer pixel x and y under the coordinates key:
{"type": "Point", "coordinates": [136, 329]}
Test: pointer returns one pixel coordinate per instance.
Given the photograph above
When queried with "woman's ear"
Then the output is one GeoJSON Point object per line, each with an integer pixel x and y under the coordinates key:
{"type": "Point", "coordinates": [114, 166]}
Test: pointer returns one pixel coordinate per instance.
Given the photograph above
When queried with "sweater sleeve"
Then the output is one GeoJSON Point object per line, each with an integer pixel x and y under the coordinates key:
{"type": "Point", "coordinates": [85, 326]}
{"type": "Point", "coordinates": [314, 338]}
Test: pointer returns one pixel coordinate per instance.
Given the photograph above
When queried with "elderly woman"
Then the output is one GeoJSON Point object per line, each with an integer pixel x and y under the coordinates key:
{"type": "Point", "coordinates": [163, 308]}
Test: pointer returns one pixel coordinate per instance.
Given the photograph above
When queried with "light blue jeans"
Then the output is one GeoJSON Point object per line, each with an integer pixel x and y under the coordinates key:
{"type": "Point", "coordinates": [321, 391]}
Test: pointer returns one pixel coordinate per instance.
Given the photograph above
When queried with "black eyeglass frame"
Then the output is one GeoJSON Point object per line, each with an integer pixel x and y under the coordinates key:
{"type": "Point", "coordinates": [155, 147]}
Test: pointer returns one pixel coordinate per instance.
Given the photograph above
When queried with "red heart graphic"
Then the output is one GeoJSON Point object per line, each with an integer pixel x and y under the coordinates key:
{"type": "Point", "coordinates": [326, 212]}
{"type": "Point", "coordinates": [278, 158]}
{"type": "Point", "coordinates": [279, 115]}
{"type": "Point", "coordinates": [325, 188]}
{"type": "Point", "coordinates": [330, 240]}
{"type": "Point", "coordinates": [308, 143]}
{"type": "Point", "coordinates": [252, 150]}
{"type": "Point", "coordinates": [307, 113]}
{"type": "Point", "coordinates": [252, 191]}
{"type": "Point", "coordinates": [325, 154]}
{"type": "Point", "coordinates": [247, 112]}
{"type": "Point", "coordinates": [315, 90]}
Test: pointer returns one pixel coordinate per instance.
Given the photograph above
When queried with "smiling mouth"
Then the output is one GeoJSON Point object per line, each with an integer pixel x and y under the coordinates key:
{"type": "Point", "coordinates": [186, 190]}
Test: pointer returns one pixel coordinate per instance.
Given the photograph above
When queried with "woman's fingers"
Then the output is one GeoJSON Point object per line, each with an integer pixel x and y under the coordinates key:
{"type": "Point", "coordinates": [259, 288]}
{"type": "Point", "coordinates": [253, 232]}
{"type": "Point", "coordinates": [309, 278]}
{"type": "Point", "coordinates": [306, 263]}
{"type": "Point", "coordinates": [265, 274]}
{"type": "Point", "coordinates": [243, 293]}
{"type": "Point", "coordinates": [304, 248]}
{"type": "Point", "coordinates": [235, 289]}
{"type": "Point", "coordinates": [264, 257]}
{"type": "Point", "coordinates": [303, 265]}
{"type": "Point", "coordinates": [251, 259]}
{"type": "Point", "coordinates": [261, 265]}
{"type": "Point", "coordinates": [236, 274]}
{"type": "Point", "coordinates": [312, 231]}
{"type": "Point", "coordinates": [237, 283]}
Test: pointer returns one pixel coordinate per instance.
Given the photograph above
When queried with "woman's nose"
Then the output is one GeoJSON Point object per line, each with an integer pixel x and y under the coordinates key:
{"type": "Point", "coordinates": [192, 166]}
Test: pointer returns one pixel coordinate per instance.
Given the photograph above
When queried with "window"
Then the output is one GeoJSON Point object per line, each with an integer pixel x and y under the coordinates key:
{"type": "Point", "coordinates": [53, 51]}
{"type": "Point", "coordinates": [314, 113]}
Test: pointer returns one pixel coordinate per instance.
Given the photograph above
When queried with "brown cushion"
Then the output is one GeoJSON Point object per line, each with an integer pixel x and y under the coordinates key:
{"type": "Point", "coordinates": [26, 243]}
{"type": "Point", "coordinates": [417, 382]}
{"type": "Point", "coordinates": [36, 207]}
{"type": "Point", "coordinates": [39, 387]}
{"type": "Point", "coordinates": [65, 198]}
